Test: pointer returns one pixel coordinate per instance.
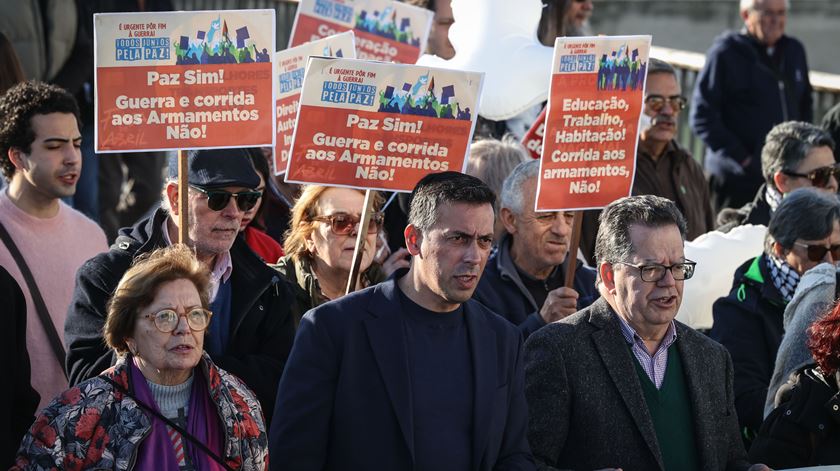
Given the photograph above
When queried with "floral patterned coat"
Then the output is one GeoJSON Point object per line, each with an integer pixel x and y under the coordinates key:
{"type": "Point", "coordinates": [96, 426]}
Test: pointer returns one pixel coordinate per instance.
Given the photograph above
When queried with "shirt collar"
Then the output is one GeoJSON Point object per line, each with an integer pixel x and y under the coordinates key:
{"type": "Point", "coordinates": [632, 337]}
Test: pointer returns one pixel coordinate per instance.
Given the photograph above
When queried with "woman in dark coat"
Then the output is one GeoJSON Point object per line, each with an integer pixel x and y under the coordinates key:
{"type": "Point", "coordinates": [804, 428]}
{"type": "Point", "coordinates": [749, 322]}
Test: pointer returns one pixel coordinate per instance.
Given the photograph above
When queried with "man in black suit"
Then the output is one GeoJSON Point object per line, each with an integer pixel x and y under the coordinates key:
{"type": "Point", "coordinates": [410, 373]}
{"type": "Point", "coordinates": [18, 399]}
{"type": "Point", "coordinates": [621, 384]}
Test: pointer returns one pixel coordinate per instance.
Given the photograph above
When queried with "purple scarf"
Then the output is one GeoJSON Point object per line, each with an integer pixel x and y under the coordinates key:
{"type": "Point", "coordinates": [156, 452]}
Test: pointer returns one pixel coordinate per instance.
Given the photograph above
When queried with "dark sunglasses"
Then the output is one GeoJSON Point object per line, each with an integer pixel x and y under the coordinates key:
{"type": "Point", "coordinates": [343, 223]}
{"type": "Point", "coordinates": [657, 102]}
{"type": "Point", "coordinates": [820, 177]}
{"type": "Point", "coordinates": [218, 200]}
{"type": "Point", "coordinates": [816, 253]}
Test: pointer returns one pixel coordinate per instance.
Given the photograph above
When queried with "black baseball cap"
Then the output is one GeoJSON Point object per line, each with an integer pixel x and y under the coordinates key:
{"type": "Point", "coordinates": [216, 168]}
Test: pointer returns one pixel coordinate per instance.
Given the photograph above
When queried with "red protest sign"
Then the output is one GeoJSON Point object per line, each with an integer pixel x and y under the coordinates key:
{"type": "Point", "coordinates": [175, 80]}
{"type": "Point", "coordinates": [589, 147]}
{"type": "Point", "coordinates": [381, 126]}
{"type": "Point", "coordinates": [533, 139]}
{"type": "Point", "coordinates": [289, 66]}
{"type": "Point", "coordinates": [386, 30]}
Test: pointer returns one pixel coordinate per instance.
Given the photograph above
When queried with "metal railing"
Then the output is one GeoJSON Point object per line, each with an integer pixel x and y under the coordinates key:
{"type": "Point", "coordinates": [688, 64]}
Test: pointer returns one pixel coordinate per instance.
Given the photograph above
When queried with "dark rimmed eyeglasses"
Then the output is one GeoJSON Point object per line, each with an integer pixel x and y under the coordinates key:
{"type": "Point", "coordinates": [816, 253]}
{"type": "Point", "coordinates": [657, 102]}
{"type": "Point", "coordinates": [218, 200]}
{"type": "Point", "coordinates": [344, 223]}
{"type": "Point", "coordinates": [654, 272]}
{"type": "Point", "coordinates": [166, 320]}
{"type": "Point", "coordinates": [819, 177]}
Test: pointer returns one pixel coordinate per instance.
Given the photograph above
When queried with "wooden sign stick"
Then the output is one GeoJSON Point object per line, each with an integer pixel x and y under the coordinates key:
{"type": "Point", "coordinates": [183, 189]}
{"type": "Point", "coordinates": [571, 256]}
{"type": "Point", "coordinates": [361, 237]}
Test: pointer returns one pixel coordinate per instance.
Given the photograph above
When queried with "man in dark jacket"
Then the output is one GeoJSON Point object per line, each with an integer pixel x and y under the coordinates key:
{"type": "Point", "coordinates": [252, 330]}
{"type": "Point", "coordinates": [752, 80]}
{"type": "Point", "coordinates": [794, 155]}
{"type": "Point", "coordinates": [749, 321]}
{"type": "Point", "coordinates": [663, 167]}
{"type": "Point", "coordinates": [524, 280]}
{"type": "Point", "coordinates": [621, 384]}
{"type": "Point", "coordinates": [18, 399]}
{"type": "Point", "coordinates": [410, 373]}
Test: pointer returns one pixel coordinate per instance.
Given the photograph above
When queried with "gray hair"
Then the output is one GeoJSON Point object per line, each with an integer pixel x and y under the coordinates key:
{"type": "Point", "coordinates": [436, 189]}
{"type": "Point", "coordinates": [750, 5]}
{"type": "Point", "coordinates": [492, 160]}
{"type": "Point", "coordinates": [613, 242]}
{"type": "Point", "coordinates": [659, 66]}
{"type": "Point", "coordinates": [805, 213]}
{"type": "Point", "coordinates": [787, 144]}
{"type": "Point", "coordinates": [513, 195]}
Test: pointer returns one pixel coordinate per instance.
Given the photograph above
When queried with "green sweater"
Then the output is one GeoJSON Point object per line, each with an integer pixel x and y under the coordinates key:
{"type": "Point", "coordinates": [670, 409]}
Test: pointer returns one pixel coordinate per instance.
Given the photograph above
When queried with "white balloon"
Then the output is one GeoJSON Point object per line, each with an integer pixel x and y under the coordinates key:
{"type": "Point", "coordinates": [718, 255]}
{"type": "Point", "coordinates": [499, 38]}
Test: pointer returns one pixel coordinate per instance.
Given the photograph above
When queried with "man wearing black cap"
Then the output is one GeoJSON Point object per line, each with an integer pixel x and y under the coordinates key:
{"type": "Point", "coordinates": [251, 331]}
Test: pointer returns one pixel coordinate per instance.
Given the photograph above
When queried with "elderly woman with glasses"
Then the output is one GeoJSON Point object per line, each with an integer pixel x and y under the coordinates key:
{"type": "Point", "coordinates": [320, 244]}
{"type": "Point", "coordinates": [803, 233]}
{"type": "Point", "coordinates": [164, 405]}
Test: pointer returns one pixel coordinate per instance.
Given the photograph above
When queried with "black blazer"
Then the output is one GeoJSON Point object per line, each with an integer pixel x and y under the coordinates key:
{"type": "Point", "coordinates": [587, 407]}
{"type": "Point", "coordinates": [344, 400]}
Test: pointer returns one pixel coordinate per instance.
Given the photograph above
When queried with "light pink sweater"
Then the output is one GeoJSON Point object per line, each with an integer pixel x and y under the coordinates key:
{"type": "Point", "coordinates": [54, 249]}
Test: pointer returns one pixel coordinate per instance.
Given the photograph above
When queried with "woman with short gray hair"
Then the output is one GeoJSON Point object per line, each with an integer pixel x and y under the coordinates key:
{"type": "Point", "coordinates": [804, 232]}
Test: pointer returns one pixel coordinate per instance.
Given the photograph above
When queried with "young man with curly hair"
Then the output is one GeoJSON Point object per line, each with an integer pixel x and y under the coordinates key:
{"type": "Point", "coordinates": [41, 161]}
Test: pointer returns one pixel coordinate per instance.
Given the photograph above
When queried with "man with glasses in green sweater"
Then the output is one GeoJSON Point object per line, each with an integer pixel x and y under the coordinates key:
{"type": "Point", "coordinates": [621, 384]}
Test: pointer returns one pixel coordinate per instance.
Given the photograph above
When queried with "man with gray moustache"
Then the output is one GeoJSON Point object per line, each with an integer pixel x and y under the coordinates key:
{"type": "Point", "coordinates": [525, 277]}
{"type": "Point", "coordinates": [663, 167]}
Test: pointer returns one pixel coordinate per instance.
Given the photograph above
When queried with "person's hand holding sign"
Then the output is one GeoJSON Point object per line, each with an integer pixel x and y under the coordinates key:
{"type": "Point", "coordinates": [559, 304]}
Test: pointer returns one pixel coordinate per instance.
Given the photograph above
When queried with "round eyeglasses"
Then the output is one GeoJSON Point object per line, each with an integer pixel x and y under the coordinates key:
{"type": "Point", "coordinates": [167, 320]}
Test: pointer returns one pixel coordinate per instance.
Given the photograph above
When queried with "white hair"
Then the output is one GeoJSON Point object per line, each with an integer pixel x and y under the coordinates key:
{"type": "Point", "coordinates": [750, 5]}
{"type": "Point", "coordinates": [513, 197]}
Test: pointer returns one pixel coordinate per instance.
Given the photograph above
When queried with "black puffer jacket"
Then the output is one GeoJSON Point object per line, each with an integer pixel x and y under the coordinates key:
{"type": "Point", "coordinates": [749, 323]}
{"type": "Point", "coordinates": [261, 321]}
{"type": "Point", "coordinates": [804, 428]}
